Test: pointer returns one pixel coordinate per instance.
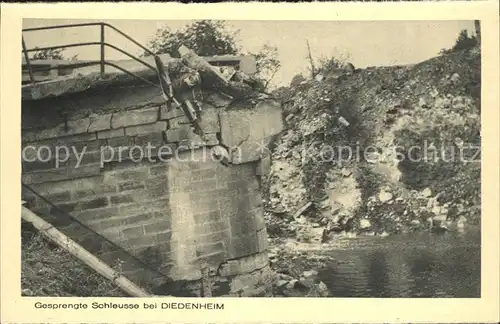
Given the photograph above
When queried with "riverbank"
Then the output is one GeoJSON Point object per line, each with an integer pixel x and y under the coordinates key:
{"type": "Point", "coordinates": [418, 264]}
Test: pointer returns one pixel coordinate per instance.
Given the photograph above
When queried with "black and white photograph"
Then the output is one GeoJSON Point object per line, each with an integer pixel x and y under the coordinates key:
{"type": "Point", "coordinates": [247, 158]}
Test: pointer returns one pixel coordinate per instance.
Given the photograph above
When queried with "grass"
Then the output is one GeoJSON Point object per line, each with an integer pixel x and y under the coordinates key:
{"type": "Point", "coordinates": [50, 271]}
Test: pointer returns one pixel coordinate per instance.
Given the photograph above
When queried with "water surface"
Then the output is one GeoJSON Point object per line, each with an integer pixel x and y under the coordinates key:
{"type": "Point", "coordinates": [410, 265]}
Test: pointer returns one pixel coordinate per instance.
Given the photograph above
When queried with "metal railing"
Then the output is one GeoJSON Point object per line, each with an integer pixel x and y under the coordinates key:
{"type": "Point", "coordinates": [102, 62]}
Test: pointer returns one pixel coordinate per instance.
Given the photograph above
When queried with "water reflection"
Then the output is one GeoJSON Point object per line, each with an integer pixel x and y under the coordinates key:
{"type": "Point", "coordinates": [422, 265]}
{"type": "Point", "coordinates": [378, 273]}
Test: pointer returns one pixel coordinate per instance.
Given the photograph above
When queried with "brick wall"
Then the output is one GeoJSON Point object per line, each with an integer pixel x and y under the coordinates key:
{"type": "Point", "coordinates": [175, 214]}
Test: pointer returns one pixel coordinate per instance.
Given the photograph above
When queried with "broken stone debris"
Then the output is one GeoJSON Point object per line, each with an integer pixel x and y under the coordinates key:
{"type": "Point", "coordinates": [419, 103]}
{"type": "Point", "coordinates": [298, 283]}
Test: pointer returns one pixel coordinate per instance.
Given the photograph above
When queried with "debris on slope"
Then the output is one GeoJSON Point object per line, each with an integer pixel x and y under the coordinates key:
{"type": "Point", "coordinates": [349, 149]}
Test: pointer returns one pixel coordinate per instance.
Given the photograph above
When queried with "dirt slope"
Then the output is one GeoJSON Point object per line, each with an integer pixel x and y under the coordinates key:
{"type": "Point", "coordinates": [403, 157]}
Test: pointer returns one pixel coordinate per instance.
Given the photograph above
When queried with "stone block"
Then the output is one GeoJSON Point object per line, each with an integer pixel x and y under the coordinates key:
{"type": "Point", "coordinates": [212, 260]}
{"type": "Point", "coordinates": [122, 199]}
{"type": "Point", "coordinates": [207, 217]}
{"type": "Point", "coordinates": [94, 203]}
{"type": "Point", "coordinates": [244, 265]}
{"type": "Point", "coordinates": [244, 282]}
{"type": "Point", "coordinates": [132, 185]}
{"type": "Point", "coordinates": [159, 205]}
{"type": "Point", "coordinates": [97, 190]}
{"type": "Point", "coordinates": [45, 176]}
{"type": "Point", "coordinates": [178, 122]}
{"type": "Point", "coordinates": [48, 148]}
{"type": "Point", "coordinates": [139, 241]}
{"type": "Point", "coordinates": [264, 166]}
{"type": "Point", "coordinates": [68, 207]}
{"type": "Point", "coordinates": [177, 135]}
{"type": "Point", "coordinates": [247, 132]}
{"type": "Point", "coordinates": [206, 185]}
{"type": "Point", "coordinates": [255, 292]}
{"type": "Point", "coordinates": [89, 146]}
{"type": "Point", "coordinates": [205, 249]}
{"type": "Point", "coordinates": [71, 127]}
{"type": "Point", "coordinates": [203, 174]}
{"type": "Point", "coordinates": [146, 129]}
{"type": "Point", "coordinates": [97, 214]}
{"type": "Point", "coordinates": [193, 142]}
{"type": "Point", "coordinates": [99, 122]}
{"type": "Point", "coordinates": [220, 236]}
{"type": "Point", "coordinates": [261, 260]}
{"type": "Point", "coordinates": [132, 232]}
{"type": "Point", "coordinates": [77, 126]}
{"type": "Point", "coordinates": [242, 246]}
{"type": "Point", "coordinates": [211, 139]}
{"type": "Point", "coordinates": [163, 237]}
{"type": "Point", "coordinates": [260, 222]}
{"type": "Point", "coordinates": [160, 226]}
{"type": "Point", "coordinates": [242, 223]}
{"type": "Point", "coordinates": [211, 227]}
{"type": "Point", "coordinates": [239, 186]}
{"type": "Point", "coordinates": [119, 132]}
{"type": "Point", "coordinates": [121, 141]}
{"type": "Point", "coordinates": [126, 175]}
{"type": "Point", "coordinates": [167, 150]}
{"type": "Point", "coordinates": [159, 170]}
{"type": "Point", "coordinates": [38, 165]}
{"type": "Point", "coordinates": [32, 136]}
{"type": "Point", "coordinates": [248, 64]}
{"type": "Point", "coordinates": [59, 197]}
{"type": "Point", "coordinates": [255, 200]}
{"type": "Point", "coordinates": [83, 158]}
{"type": "Point", "coordinates": [157, 189]}
{"type": "Point", "coordinates": [132, 210]}
{"type": "Point", "coordinates": [79, 138]}
{"type": "Point", "coordinates": [115, 154]}
{"type": "Point", "coordinates": [76, 184]}
{"type": "Point", "coordinates": [153, 138]}
{"type": "Point", "coordinates": [262, 243]}
{"type": "Point", "coordinates": [169, 112]}
{"type": "Point", "coordinates": [218, 100]}
{"type": "Point", "coordinates": [140, 218]}
{"type": "Point", "coordinates": [149, 194]}
{"type": "Point", "coordinates": [135, 117]}
{"type": "Point", "coordinates": [84, 171]}
{"type": "Point", "coordinates": [210, 119]}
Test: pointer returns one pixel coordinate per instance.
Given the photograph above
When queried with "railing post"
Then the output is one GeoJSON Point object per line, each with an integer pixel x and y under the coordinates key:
{"type": "Point", "coordinates": [26, 57]}
{"type": "Point", "coordinates": [102, 51]}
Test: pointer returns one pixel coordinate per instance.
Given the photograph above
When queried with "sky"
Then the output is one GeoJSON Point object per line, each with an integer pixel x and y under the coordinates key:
{"type": "Point", "coordinates": [363, 43]}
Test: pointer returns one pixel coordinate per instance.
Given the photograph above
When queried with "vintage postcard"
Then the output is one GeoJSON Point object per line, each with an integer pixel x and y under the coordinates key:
{"type": "Point", "coordinates": [281, 163]}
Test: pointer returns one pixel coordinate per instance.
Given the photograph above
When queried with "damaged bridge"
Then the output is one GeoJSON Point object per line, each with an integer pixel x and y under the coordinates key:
{"type": "Point", "coordinates": [170, 214]}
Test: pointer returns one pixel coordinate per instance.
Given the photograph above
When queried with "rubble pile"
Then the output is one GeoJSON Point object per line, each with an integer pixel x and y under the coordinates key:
{"type": "Point", "coordinates": [295, 274]}
{"type": "Point", "coordinates": [378, 151]}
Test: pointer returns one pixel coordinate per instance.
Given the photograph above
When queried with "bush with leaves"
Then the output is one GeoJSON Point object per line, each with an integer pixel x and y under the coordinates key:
{"type": "Point", "coordinates": [464, 41]}
{"type": "Point", "coordinates": [211, 38]}
{"type": "Point", "coordinates": [204, 37]}
{"type": "Point", "coordinates": [268, 63]}
{"type": "Point", "coordinates": [52, 54]}
{"type": "Point", "coordinates": [330, 64]}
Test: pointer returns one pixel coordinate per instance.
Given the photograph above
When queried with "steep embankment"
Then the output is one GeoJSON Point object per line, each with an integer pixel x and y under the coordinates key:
{"type": "Point", "coordinates": [48, 270]}
{"type": "Point", "coordinates": [403, 157]}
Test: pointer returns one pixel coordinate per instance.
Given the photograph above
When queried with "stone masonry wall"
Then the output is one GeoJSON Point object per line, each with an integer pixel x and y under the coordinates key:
{"type": "Point", "coordinates": [176, 215]}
